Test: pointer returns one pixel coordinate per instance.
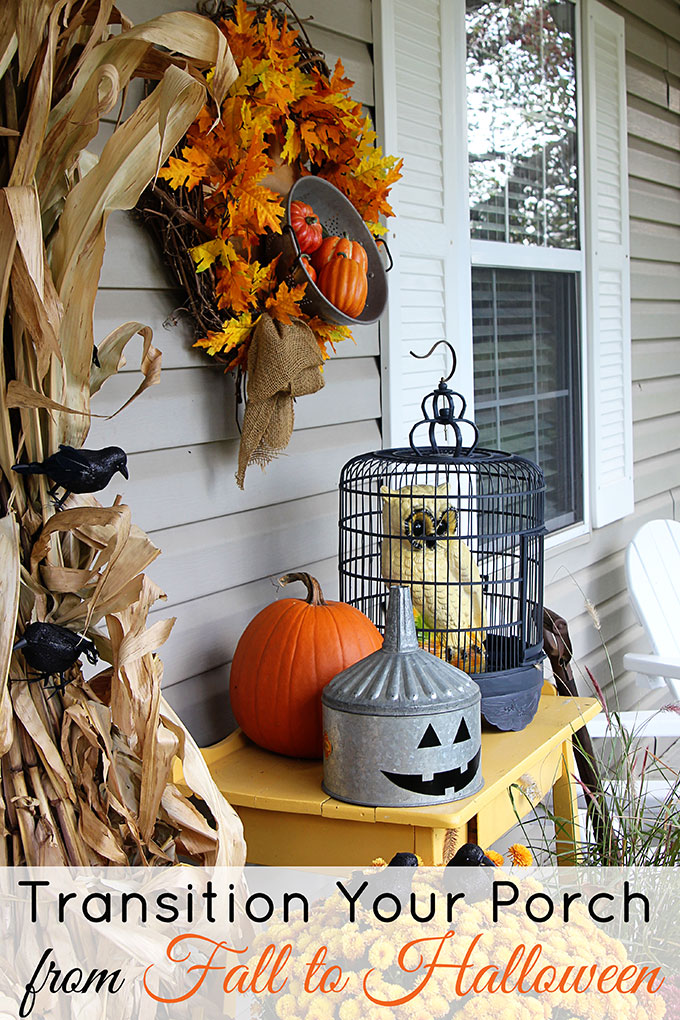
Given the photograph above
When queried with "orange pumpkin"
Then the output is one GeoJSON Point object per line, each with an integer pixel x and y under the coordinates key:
{"type": "Point", "coordinates": [307, 263]}
{"type": "Point", "coordinates": [332, 246]}
{"type": "Point", "coordinates": [306, 225]}
{"type": "Point", "coordinates": [345, 284]}
{"type": "Point", "coordinates": [285, 657]}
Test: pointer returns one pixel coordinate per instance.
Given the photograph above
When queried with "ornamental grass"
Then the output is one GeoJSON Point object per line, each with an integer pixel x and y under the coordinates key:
{"type": "Point", "coordinates": [632, 814]}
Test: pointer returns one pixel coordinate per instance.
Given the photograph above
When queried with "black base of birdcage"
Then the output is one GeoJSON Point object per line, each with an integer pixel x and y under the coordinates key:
{"type": "Point", "coordinates": [510, 698]}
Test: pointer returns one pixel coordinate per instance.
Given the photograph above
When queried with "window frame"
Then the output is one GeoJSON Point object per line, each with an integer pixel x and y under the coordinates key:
{"type": "Point", "coordinates": [505, 255]}
{"type": "Point", "coordinates": [426, 68]}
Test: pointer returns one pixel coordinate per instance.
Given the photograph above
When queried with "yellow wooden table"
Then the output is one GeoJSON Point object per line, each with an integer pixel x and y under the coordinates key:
{"type": "Point", "coordinates": [289, 820]}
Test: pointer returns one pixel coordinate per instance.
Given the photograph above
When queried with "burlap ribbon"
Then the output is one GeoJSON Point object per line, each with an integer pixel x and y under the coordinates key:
{"type": "Point", "coordinates": [284, 362]}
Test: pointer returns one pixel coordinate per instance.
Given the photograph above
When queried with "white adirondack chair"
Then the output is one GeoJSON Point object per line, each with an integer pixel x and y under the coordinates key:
{"type": "Point", "coordinates": [653, 575]}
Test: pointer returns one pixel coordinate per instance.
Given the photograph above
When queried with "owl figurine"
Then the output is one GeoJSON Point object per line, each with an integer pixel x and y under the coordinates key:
{"type": "Point", "coordinates": [420, 550]}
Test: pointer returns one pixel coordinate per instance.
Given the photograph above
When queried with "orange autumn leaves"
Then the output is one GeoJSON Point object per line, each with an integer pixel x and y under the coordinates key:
{"type": "Point", "coordinates": [276, 112]}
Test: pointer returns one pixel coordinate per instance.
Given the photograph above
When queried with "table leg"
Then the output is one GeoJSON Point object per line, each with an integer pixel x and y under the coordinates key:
{"type": "Point", "coordinates": [565, 809]}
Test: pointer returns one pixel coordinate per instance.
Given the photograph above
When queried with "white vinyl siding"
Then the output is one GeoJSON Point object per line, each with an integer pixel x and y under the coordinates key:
{"type": "Point", "coordinates": [221, 548]}
{"type": "Point", "coordinates": [594, 567]}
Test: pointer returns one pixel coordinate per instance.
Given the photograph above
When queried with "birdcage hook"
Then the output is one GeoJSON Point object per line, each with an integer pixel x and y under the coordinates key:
{"type": "Point", "coordinates": [442, 411]}
{"type": "Point", "coordinates": [445, 378]}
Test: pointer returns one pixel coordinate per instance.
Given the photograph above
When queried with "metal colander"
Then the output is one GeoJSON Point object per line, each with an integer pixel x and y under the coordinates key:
{"type": "Point", "coordinates": [338, 216]}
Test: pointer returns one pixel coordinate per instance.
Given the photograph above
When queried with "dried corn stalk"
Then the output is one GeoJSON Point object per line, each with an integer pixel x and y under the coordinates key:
{"type": "Point", "coordinates": [86, 775]}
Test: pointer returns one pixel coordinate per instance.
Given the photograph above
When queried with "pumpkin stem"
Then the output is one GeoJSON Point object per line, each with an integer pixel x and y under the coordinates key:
{"type": "Point", "coordinates": [314, 593]}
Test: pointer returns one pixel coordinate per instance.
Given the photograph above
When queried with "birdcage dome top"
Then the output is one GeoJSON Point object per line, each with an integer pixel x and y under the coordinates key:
{"type": "Point", "coordinates": [448, 454]}
{"type": "Point", "coordinates": [501, 473]}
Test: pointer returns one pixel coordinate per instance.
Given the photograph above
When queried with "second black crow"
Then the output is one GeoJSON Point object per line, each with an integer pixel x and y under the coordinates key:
{"type": "Point", "coordinates": [51, 650]}
{"type": "Point", "coordinates": [476, 884]}
{"type": "Point", "coordinates": [78, 470]}
{"type": "Point", "coordinates": [470, 855]}
{"type": "Point", "coordinates": [396, 878]}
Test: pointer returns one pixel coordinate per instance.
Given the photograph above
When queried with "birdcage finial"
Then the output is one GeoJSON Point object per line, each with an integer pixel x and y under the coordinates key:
{"type": "Point", "coordinates": [443, 410]}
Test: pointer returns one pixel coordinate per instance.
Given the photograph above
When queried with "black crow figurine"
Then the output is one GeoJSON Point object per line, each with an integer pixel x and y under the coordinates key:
{"type": "Point", "coordinates": [478, 885]}
{"type": "Point", "coordinates": [78, 470]}
{"type": "Point", "coordinates": [399, 881]}
{"type": "Point", "coordinates": [403, 860]}
{"type": "Point", "coordinates": [470, 856]}
{"type": "Point", "coordinates": [51, 650]}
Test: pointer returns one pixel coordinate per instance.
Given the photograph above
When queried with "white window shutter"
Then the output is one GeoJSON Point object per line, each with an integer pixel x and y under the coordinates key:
{"type": "Point", "coordinates": [608, 265]}
{"type": "Point", "coordinates": [422, 117]}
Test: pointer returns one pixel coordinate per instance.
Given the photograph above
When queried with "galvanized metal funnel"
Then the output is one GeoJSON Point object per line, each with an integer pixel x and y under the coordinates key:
{"type": "Point", "coordinates": [402, 728]}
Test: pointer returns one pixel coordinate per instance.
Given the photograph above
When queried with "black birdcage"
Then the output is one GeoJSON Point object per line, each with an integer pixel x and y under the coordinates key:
{"type": "Point", "coordinates": [463, 527]}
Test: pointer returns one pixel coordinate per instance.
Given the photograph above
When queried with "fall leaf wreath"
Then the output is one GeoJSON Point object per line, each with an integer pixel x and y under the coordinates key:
{"type": "Point", "coordinates": [222, 195]}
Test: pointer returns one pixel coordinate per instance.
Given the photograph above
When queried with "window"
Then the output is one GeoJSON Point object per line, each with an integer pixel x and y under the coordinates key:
{"type": "Point", "coordinates": [524, 191]}
{"type": "Point", "coordinates": [527, 377]}
{"type": "Point", "coordinates": [511, 234]}
{"type": "Point", "coordinates": [522, 122]}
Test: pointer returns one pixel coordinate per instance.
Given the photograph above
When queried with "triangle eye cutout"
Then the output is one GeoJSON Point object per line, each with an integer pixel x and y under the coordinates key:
{"type": "Point", "coordinates": [430, 738]}
{"type": "Point", "coordinates": [463, 733]}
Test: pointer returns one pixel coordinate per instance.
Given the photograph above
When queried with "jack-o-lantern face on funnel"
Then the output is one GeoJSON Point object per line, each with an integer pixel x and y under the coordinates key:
{"type": "Point", "coordinates": [402, 728]}
{"type": "Point", "coordinates": [403, 761]}
{"type": "Point", "coordinates": [439, 784]}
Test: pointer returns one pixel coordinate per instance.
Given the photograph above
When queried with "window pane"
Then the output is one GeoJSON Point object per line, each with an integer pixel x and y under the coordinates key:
{"type": "Point", "coordinates": [527, 377]}
{"type": "Point", "coordinates": [521, 80]}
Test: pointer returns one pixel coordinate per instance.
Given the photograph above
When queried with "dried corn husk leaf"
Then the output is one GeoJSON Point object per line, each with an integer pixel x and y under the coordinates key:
{"type": "Point", "coordinates": [30, 21]}
{"type": "Point", "coordinates": [7, 249]}
{"type": "Point", "coordinates": [160, 745]}
{"type": "Point", "coordinates": [197, 837]}
{"type": "Point", "coordinates": [35, 725]}
{"type": "Point", "coordinates": [111, 360]}
{"type": "Point", "coordinates": [65, 579]}
{"type": "Point", "coordinates": [231, 849]}
{"type": "Point", "coordinates": [125, 167]}
{"type": "Point", "coordinates": [110, 352]}
{"type": "Point", "coordinates": [8, 34]}
{"type": "Point", "coordinates": [73, 520]}
{"type": "Point", "coordinates": [70, 133]}
{"type": "Point", "coordinates": [33, 134]}
{"type": "Point", "coordinates": [132, 646]}
{"type": "Point", "coordinates": [33, 291]}
{"type": "Point", "coordinates": [99, 836]}
{"type": "Point", "coordinates": [86, 774]}
{"type": "Point", "coordinates": [21, 395]}
{"type": "Point", "coordinates": [180, 32]}
{"type": "Point", "coordinates": [9, 600]}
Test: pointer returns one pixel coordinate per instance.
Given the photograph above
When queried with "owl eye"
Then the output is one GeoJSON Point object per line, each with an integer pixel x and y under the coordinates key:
{"type": "Point", "coordinates": [418, 525]}
{"type": "Point", "coordinates": [446, 525]}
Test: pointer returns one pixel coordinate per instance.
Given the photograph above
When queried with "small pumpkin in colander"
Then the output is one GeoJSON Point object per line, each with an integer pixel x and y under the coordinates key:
{"type": "Point", "coordinates": [342, 245]}
{"type": "Point", "coordinates": [306, 225]}
{"type": "Point", "coordinates": [344, 282]}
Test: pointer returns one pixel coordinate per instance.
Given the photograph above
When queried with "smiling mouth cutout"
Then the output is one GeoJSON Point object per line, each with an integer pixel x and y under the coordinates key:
{"type": "Point", "coordinates": [441, 782]}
